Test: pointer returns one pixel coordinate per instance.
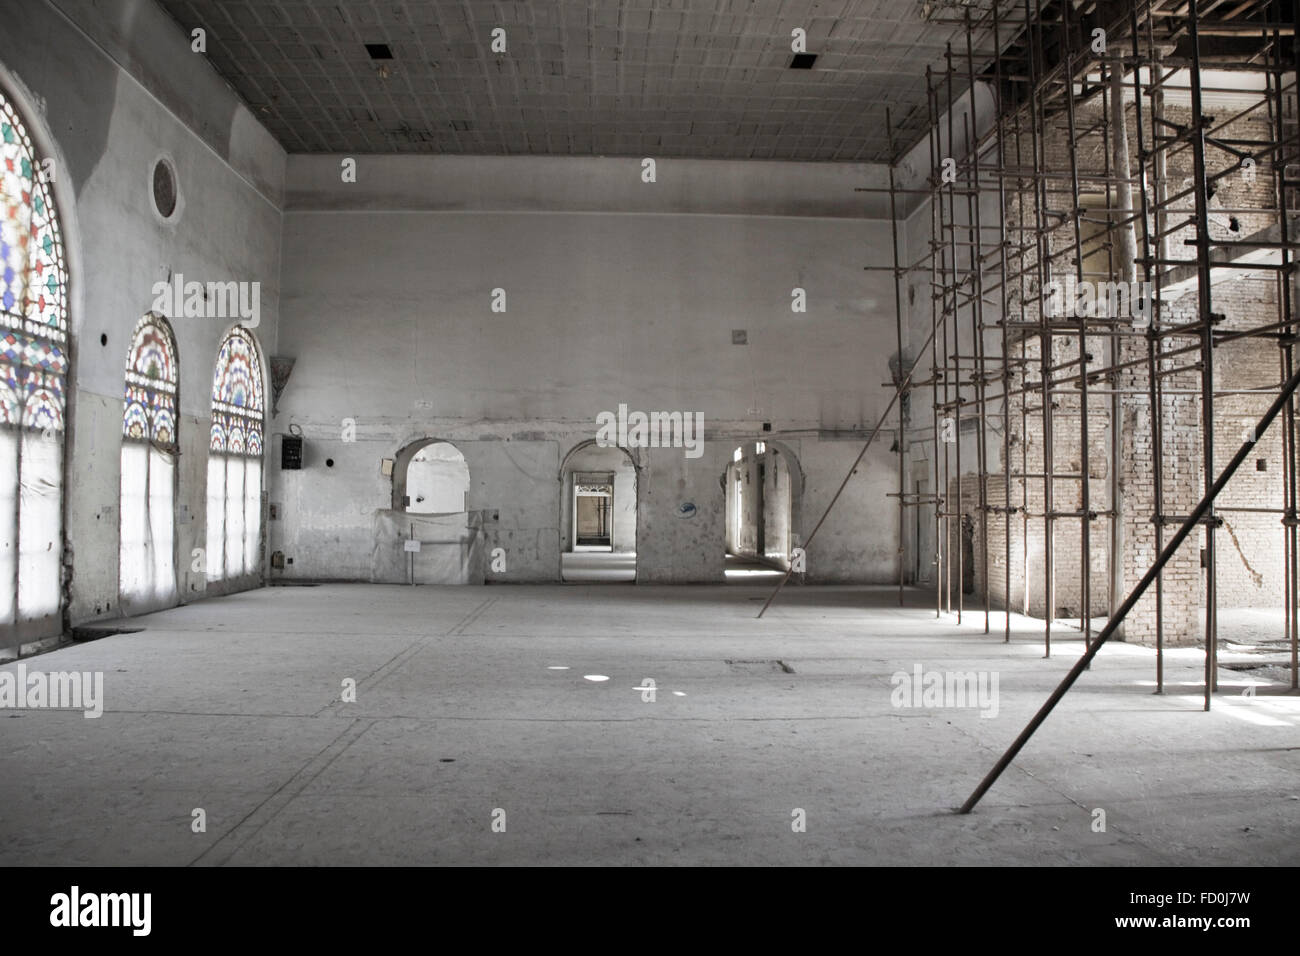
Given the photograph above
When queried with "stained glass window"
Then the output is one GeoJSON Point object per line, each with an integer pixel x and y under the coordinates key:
{"type": "Point", "coordinates": [150, 413]}
{"type": "Point", "coordinates": [33, 282]}
{"type": "Point", "coordinates": [147, 565]}
{"type": "Point", "coordinates": [33, 375]}
{"type": "Point", "coordinates": [235, 459]}
{"type": "Point", "coordinates": [237, 409]}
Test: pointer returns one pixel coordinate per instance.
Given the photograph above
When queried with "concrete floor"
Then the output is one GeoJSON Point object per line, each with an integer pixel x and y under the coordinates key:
{"type": "Point", "coordinates": [232, 705]}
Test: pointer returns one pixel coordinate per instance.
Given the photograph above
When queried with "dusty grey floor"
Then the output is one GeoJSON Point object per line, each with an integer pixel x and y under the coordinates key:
{"type": "Point", "coordinates": [233, 706]}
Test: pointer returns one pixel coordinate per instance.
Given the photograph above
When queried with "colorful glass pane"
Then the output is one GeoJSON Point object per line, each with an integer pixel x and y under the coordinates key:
{"type": "Point", "coordinates": [150, 411]}
{"type": "Point", "coordinates": [135, 421]}
{"type": "Point", "coordinates": [237, 401]}
{"type": "Point", "coordinates": [11, 406]}
{"type": "Point", "coordinates": [164, 427]}
{"type": "Point", "coordinates": [33, 284]}
{"type": "Point", "coordinates": [44, 409]}
{"type": "Point", "coordinates": [217, 437]}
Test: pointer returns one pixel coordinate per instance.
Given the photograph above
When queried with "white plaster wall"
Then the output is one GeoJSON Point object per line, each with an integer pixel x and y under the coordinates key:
{"type": "Point", "coordinates": [387, 309]}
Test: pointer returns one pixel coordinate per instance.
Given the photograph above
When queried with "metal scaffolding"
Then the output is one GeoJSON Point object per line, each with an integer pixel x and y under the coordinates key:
{"type": "Point", "coordinates": [1096, 109]}
{"type": "Point", "coordinates": [1104, 162]}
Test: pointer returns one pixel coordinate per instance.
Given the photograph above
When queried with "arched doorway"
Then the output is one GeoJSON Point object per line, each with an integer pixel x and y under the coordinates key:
{"type": "Point", "coordinates": [598, 515]}
{"type": "Point", "coordinates": [763, 485]}
{"type": "Point", "coordinates": [441, 539]}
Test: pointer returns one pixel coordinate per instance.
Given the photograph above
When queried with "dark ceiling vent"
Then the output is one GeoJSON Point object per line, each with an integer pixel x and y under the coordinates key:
{"type": "Point", "coordinates": [803, 61]}
{"type": "Point", "coordinates": [379, 51]}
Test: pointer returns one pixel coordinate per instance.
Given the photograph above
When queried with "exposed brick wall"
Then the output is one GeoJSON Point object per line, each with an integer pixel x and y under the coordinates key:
{"type": "Point", "coordinates": [1249, 545]}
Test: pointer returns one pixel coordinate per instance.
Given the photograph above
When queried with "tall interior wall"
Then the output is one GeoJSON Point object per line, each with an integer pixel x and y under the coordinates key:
{"type": "Point", "coordinates": [670, 296]}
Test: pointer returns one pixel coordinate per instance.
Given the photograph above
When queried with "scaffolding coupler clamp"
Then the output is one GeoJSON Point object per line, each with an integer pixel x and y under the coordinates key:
{"type": "Point", "coordinates": [1213, 521]}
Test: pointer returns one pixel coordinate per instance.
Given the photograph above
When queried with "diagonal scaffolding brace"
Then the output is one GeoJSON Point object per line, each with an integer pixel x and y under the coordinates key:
{"type": "Point", "coordinates": [1185, 529]}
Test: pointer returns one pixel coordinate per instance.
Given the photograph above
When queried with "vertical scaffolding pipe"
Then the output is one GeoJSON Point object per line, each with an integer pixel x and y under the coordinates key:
{"type": "Point", "coordinates": [1293, 544]}
{"type": "Point", "coordinates": [975, 229]}
{"type": "Point", "coordinates": [1022, 273]}
{"type": "Point", "coordinates": [898, 333]}
{"type": "Point", "coordinates": [1002, 287]}
{"type": "Point", "coordinates": [1111, 348]}
{"type": "Point", "coordinates": [1282, 290]}
{"type": "Point", "coordinates": [977, 335]}
{"type": "Point", "coordinates": [1034, 42]}
{"type": "Point", "coordinates": [1160, 172]}
{"type": "Point", "coordinates": [1085, 536]}
{"type": "Point", "coordinates": [940, 494]}
{"type": "Point", "coordinates": [1286, 299]}
{"type": "Point", "coordinates": [939, 270]}
{"type": "Point", "coordinates": [953, 356]}
{"type": "Point", "coordinates": [1152, 341]}
{"type": "Point", "coordinates": [1205, 309]}
{"type": "Point", "coordinates": [1127, 269]}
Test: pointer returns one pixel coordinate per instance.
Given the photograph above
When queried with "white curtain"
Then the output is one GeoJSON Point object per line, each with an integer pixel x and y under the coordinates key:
{"type": "Point", "coordinates": [146, 553]}
{"type": "Point", "coordinates": [162, 539]}
{"type": "Point", "coordinates": [40, 524]}
{"type": "Point", "coordinates": [234, 509]}
{"type": "Point", "coordinates": [234, 516]}
{"type": "Point", "coordinates": [216, 512]}
{"type": "Point", "coordinates": [8, 524]}
{"type": "Point", "coordinates": [252, 506]}
{"type": "Point", "coordinates": [31, 525]}
{"type": "Point", "coordinates": [133, 548]}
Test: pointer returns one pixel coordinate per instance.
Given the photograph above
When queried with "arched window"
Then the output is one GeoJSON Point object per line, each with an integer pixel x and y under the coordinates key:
{"type": "Point", "coordinates": [146, 551]}
{"type": "Point", "coordinates": [235, 460]}
{"type": "Point", "coordinates": [33, 374]}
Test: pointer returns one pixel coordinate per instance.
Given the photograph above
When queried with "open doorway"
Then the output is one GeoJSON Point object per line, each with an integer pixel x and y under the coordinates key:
{"type": "Point", "coordinates": [598, 503]}
{"type": "Point", "coordinates": [762, 484]}
{"type": "Point", "coordinates": [437, 540]}
{"type": "Point", "coordinates": [593, 511]}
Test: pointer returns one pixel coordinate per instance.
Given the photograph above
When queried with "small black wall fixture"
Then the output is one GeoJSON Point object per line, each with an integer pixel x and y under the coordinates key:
{"type": "Point", "coordinates": [291, 453]}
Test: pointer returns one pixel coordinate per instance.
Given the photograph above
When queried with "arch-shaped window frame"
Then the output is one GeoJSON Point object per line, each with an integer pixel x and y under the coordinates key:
{"type": "Point", "coordinates": [236, 460]}
{"type": "Point", "coordinates": [33, 386]}
{"type": "Point", "coordinates": [150, 443]}
{"type": "Point", "coordinates": [152, 383]}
